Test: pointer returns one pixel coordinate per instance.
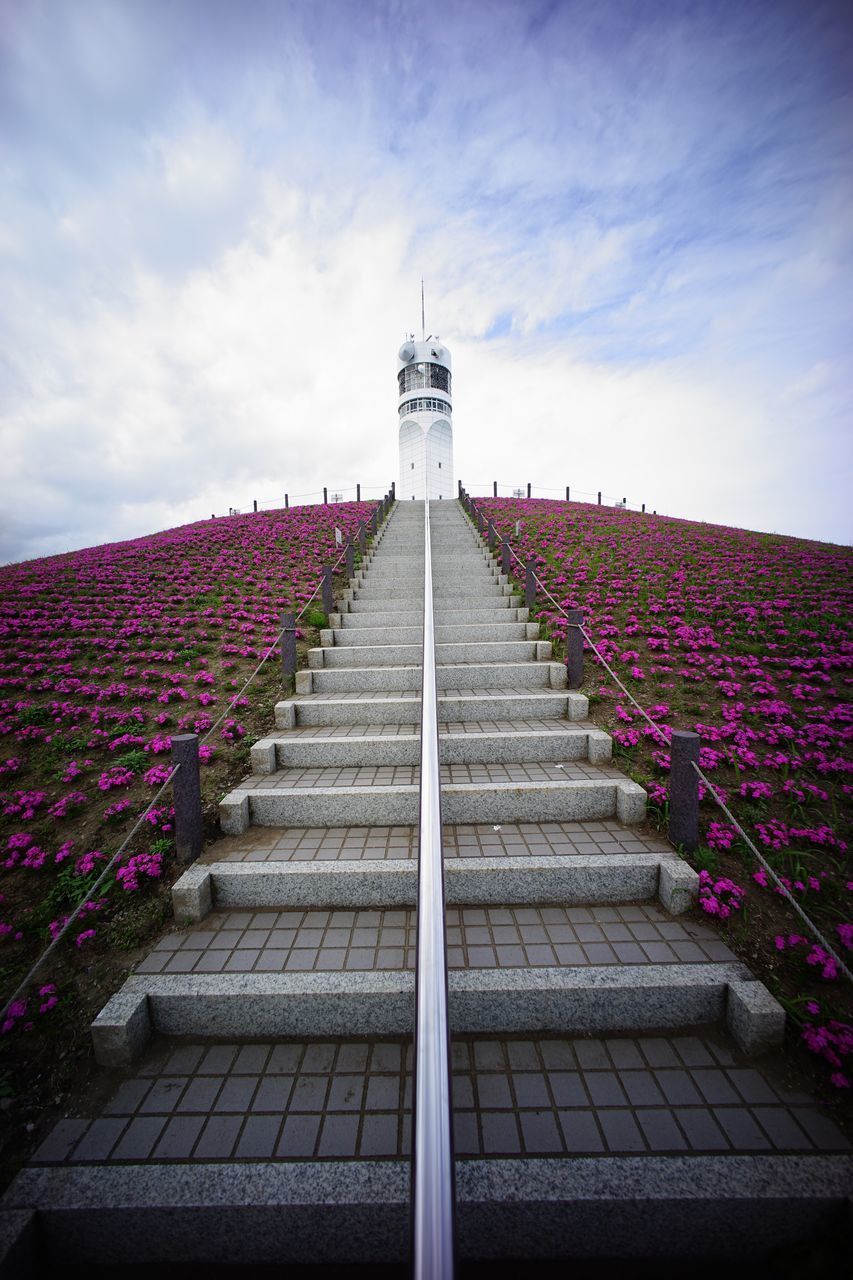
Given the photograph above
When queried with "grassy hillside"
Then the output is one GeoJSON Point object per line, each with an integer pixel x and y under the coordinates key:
{"type": "Point", "coordinates": [746, 639]}
{"type": "Point", "coordinates": [105, 653]}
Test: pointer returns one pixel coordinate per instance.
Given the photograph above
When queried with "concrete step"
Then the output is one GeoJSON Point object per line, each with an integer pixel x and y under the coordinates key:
{"type": "Point", "coordinates": [459, 606]}
{"type": "Point", "coordinates": [364, 1000]}
{"type": "Point", "coordinates": [443, 617]}
{"type": "Point", "coordinates": [482, 743]}
{"type": "Point", "coordinates": [584, 881]}
{"type": "Point", "coordinates": [389, 795]}
{"type": "Point", "coordinates": [470, 675]}
{"type": "Point", "coordinates": [496, 631]}
{"type": "Point", "coordinates": [396, 654]}
{"type": "Point", "coordinates": [565, 1147]}
{"type": "Point", "coordinates": [404, 707]}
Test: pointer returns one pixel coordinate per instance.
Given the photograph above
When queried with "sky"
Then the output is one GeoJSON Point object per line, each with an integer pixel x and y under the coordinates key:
{"type": "Point", "coordinates": [634, 220]}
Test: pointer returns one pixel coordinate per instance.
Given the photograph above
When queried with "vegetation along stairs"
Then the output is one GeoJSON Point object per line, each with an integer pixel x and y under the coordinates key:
{"type": "Point", "coordinates": [607, 1097]}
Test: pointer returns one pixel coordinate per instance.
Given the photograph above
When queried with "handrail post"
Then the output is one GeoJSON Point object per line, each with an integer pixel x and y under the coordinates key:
{"type": "Point", "coordinates": [433, 1182]}
{"type": "Point", "coordinates": [529, 586]}
{"type": "Point", "coordinates": [186, 792]}
{"type": "Point", "coordinates": [506, 556]}
{"type": "Point", "coordinates": [684, 790]}
{"type": "Point", "coordinates": [350, 560]}
{"type": "Point", "coordinates": [362, 538]}
{"type": "Point", "coordinates": [492, 536]}
{"type": "Point", "coordinates": [574, 648]}
{"type": "Point", "coordinates": [328, 591]}
{"type": "Point", "coordinates": [288, 646]}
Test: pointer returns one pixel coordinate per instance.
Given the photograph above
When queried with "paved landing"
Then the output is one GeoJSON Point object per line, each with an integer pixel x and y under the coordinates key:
{"type": "Point", "coordinates": [463, 840]}
{"type": "Point", "coordinates": [651, 1095]}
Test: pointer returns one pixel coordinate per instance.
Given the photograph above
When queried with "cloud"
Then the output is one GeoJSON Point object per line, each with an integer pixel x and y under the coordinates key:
{"type": "Point", "coordinates": [634, 229]}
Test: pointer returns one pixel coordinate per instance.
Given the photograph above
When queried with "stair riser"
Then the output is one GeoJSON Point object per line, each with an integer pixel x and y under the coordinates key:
{"type": "Point", "coordinates": [395, 806]}
{"type": "Point", "coordinates": [351, 637]}
{"type": "Point", "coordinates": [472, 749]}
{"type": "Point", "coordinates": [394, 655]}
{"type": "Point", "coordinates": [445, 617]}
{"type": "Point", "coordinates": [514, 707]}
{"type": "Point", "coordinates": [572, 881]}
{"type": "Point", "coordinates": [543, 1209]}
{"type": "Point", "coordinates": [532, 675]}
{"type": "Point", "coordinates": [461, 606]}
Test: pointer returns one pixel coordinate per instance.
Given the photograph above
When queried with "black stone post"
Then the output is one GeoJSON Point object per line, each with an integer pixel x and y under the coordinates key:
{"type": "Point", "coordinates": [288, 647]}
{"type": "Point", "coordinates": [373, 521]}
{"type": "Point", "coordinates": [684, 790]}
{"type": "Point", "coordinates": [528, 490]}
{"type": "Point", "coordinates": [393, 489]}
{"type": "Point", "coordinates": [362, 538]}
{"type": "Point", "coordinates": [286, 501]}
{"type": "Point", "coordinates": [350, 560]}
{"type": "Point", "coordinates": [328, 592]}
{"type": "Point", "coordinates": [644, 508]}
{"type": "Point", "coordinates": [481, 524]}
{"type": "Point", "coordinates": [459, 482]}
{"type": "Point", "coordinates": [567, 494]}
{"type": "Point", "coordinates": [494, 488]}
{"type": "Point", "coordinates": [574, 648]}
{"type": "Point", "coordinates": [506, 556]}
{"type": "Point", "coordinates": [599, 497]}
{"type": "Point", "coordinates": [186, 793]}
{"type": "Point", "coordinates": [493, 536]}
{"type": "Point", "coordinates": [529, 587]}
{"type": "Point", "coordinates": [358, 493]}
{"type": "Point", "coordinates": [325, 496]}
{"type": "Point", "coordinates": [255, 503]}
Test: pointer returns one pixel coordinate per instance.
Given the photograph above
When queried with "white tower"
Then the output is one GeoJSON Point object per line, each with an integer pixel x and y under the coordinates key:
{"type": "Point", "coordinates": [426, 433]}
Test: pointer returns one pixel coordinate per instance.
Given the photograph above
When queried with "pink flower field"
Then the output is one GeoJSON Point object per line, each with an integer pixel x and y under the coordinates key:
{"type": "Point", "coordinates": [746, 639]}
{"type": "Point", "coordinates": [104, 654]}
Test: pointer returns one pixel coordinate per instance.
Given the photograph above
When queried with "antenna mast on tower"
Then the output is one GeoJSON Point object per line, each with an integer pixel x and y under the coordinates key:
{"type": "Point", "coordinates": [423, 321]}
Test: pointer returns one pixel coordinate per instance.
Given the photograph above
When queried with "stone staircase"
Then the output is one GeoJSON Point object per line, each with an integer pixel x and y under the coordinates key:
{"type": "Point", "coordinates": [606, 1101]}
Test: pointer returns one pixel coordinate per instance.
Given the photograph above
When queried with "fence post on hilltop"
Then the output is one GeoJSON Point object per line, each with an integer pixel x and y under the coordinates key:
{"type": "Point", "coordinates": [493, 536]}
{"type": "Point", "coordinates": [255, 503]}
{"type": "Point", "coordinates": [186, 793]}
{"type": "Point", "coordinates": [358, 493]}
{"type": "Point", "coordinates": [393, 489]}
{"type": "Point", "coordinates": [325, 496]}
{"type": "Point", "coordinates": [684, 790]}
{"type": "Point", "coordinates": [529, 587]}
{"type": "Point", "coordinates": [644, 508]}
{"type": "Point", "coordinates": [328, 591]}
{"type": "Point", "coordinates": [350, 560]}
{"type": "Point", "coordinates": [288, 647]}
{"type": "Point", "coordinates": [574, 648]}
{"type": "Point", "coordinates": [599, 497]}
{"type": "Point", "coordinates": [506, 556]}
{"type": "Point", "coordinates": [494, 488]}
{"type": "Point", "coordinates": [286, 501]}
{"type": "Point", "coordinates": [528, 489]}
{"type": "Point", "coordinates": [362, 538]}
{"type": "Point", "coordinates": [459, 482]}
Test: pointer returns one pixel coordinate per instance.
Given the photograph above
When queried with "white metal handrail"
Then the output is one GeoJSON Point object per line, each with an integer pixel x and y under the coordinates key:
{"type": "Point", "coordinates": [433, 1189]}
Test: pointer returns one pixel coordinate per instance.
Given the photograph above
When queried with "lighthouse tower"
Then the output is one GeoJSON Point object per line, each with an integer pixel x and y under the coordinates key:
{"type": "Point", "coordinates": [426, 432]}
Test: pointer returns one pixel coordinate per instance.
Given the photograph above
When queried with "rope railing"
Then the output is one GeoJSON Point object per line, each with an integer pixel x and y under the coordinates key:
{"type": "Point", "coordinates": [22, 986]}
{"type": "Point", "coordinates": [331, 494]}
{"type": "Point", "coordinates": [780, 887]}
{"type": "Point", "coordinates": [529, 490]}
{"type": "Point", "coordinates": [433, 1189]}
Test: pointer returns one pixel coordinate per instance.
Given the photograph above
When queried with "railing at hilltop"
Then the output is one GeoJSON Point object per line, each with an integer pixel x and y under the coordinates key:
{"type": "Point", "coordinates": [529, 490]}
{"type": "Point", "coordinates": [685, 773]}
{"type": "Point", "coordinates": [329, 494]}
{"type": "Point", "coordinates": [184, 775]}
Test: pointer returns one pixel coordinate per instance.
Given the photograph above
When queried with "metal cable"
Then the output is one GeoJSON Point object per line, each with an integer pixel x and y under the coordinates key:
{"type": "Point", "coordinates": [711, 788]}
